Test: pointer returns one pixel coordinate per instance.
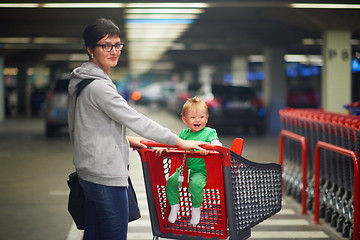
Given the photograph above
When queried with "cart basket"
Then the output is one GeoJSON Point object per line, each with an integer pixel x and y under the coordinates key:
{"type": "Point", "coordinates": [238, 194]}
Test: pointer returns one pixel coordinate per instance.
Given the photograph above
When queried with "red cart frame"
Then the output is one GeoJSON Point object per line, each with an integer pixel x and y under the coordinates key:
{"type": "Point", "coordinates": [238, 195]}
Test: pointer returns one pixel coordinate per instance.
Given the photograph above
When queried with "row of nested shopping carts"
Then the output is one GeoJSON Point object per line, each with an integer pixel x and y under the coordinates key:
{"type": "Point", "coordinates": [319, 151]}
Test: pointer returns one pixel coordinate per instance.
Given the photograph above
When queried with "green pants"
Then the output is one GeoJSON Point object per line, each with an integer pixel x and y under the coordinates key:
{"type": "Point", "coordinates": [197, 182]}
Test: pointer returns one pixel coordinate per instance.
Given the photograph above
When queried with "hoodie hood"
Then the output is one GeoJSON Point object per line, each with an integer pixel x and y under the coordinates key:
{"type": "Point", "coordinates": [87, 70]}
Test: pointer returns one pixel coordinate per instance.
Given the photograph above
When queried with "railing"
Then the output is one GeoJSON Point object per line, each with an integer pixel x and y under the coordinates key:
{"type": "Point", "coordinates": [286, 134]}
{"type": "Point", "coordinates": [323, 145]}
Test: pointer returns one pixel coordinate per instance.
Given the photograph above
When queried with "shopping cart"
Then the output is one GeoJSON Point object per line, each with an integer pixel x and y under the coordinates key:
{"type": "Point", "coordinates": [238, 195]}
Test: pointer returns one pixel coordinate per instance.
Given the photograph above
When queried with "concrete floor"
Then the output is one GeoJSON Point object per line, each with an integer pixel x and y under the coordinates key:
{"type": "Point", "coordinates": [34, 170]}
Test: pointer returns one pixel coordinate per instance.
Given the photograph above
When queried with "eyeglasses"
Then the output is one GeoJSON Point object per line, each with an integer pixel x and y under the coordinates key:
{"type": "Point", "coordinates": [109, 47]}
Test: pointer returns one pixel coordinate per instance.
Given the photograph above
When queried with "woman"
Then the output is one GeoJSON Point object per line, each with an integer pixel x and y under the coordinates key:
{"type": "Point", "coordinates": [98, 119]}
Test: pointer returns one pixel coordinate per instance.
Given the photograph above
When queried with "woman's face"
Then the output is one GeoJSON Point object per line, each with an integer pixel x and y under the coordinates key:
{"type": "Point", "coordinates": [105, 59]}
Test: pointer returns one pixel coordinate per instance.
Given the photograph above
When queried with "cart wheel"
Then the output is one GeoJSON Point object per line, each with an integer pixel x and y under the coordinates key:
{"type": "Point", "coordinates": [310, 203]}
{"type": "Point", "coordinates": [334, 219]}
{"type": "Point", "coordinates": [339, 224]}
{"type": "Point", "coordinates": [346, 229]}
{"type": "Point", "coordinates": [328, 213]}
{"type": "Point", "coordinates": [155, 237]}
{"type": "Point", "coordinates": [351, 234]}
{"type": "Point", "coordinates": [322, 210]}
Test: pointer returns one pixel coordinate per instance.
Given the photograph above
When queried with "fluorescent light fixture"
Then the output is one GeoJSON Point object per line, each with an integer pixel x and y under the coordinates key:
{"type": "Point", "coordinates": [21, 46]}
{"type": "Point", "coordinates": [307, 59]}
{"type": "Point", "coordinates": [164, 11]}
{"type": "Point", "coordinates": [312, 41]}
{"type": "Point", "coordinates": [156, 26]}
{"type": "Point", "coordinates": [161, 16]}
{"type": "Point", "coordinates": [19, 5]}
{"type": "Point", "coordinates": [40, 40]}
{"type": "Point", "coordinates": [75, 57]}
{"type": "Point", "coordinates": [150, 45]}
{"type": "Point", "coordinates": [167, 5]}
{"type": "Point", "coordinates": [55, 40]}
{"type": "Point", "coordinates": [78, 57]}
{"type": "Point", "coordinates": [155, 35]}
{"type": "Point", "coordinates": [61, 5]}
{"type": "Point", "coordinates": [163, 66]}
{"type": "Point", "coordinates": [325, 5]}
{"type": "Point", "coordinates": [256, 58]}
{"type": "Point", "coordinates": [159, 21]}
{"type": "Point", "coordinates": [82, 5]}
{"type": "Point", "coordinates": [15, 40]}
{"type": "Point", "coordinates": [152, 28]}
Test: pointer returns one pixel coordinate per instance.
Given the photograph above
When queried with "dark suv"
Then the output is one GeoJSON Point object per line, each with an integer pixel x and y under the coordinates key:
{"type": "Point", "coordinates": [56, 107]}
{"type": "Point", "coordinates": [232, 106]}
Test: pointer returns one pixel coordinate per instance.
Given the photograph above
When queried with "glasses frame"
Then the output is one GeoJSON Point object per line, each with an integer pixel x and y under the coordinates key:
{"type": "Point", "coordinates": [121, 46]}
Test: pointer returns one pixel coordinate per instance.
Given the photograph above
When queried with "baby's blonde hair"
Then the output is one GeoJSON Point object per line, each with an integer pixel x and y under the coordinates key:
{"type": "Point", "coordinates": [194, 102]}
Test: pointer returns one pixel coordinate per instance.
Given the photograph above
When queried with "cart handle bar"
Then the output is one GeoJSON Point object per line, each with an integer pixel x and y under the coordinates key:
{"type": "Point", "coordinates": [224, 152]}
{"type": "Point", "coordinates": [151, 144]}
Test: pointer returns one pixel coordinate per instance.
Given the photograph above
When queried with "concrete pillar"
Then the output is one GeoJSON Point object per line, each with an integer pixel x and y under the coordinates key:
{"type": "Point", "coordinates": [205, 74]}
{"type": "Point", "coordinates": [2, 91]}
{"type": "Point", "coordinates": [336, 72]}
{"type": "Point", "coordinates": [239, 69]}
{"type": "Point", "coordinates": [274, 86]}
{"type": "Point", "coordinates": [23, 92]}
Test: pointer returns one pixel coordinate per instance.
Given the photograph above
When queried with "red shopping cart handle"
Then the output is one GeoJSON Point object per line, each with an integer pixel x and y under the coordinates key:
{"type": "Point", "coordinates": [151, 144]}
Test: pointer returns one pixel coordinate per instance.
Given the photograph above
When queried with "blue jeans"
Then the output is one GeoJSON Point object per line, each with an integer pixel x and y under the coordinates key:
{"type": "Point", "coordinates": [106, 212]}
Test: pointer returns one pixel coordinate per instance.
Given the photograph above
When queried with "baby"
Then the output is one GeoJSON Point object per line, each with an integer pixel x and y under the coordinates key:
{"type": "Point", "coordinates": [195, 115]}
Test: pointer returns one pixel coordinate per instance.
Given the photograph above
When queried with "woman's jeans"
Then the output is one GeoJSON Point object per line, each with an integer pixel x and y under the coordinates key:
{"type": "Point", "coordinates": [106, 212]}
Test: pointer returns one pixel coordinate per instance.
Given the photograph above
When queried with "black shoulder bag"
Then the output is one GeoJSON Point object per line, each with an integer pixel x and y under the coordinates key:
{"type": "Point", "coordinates": [76, 203]}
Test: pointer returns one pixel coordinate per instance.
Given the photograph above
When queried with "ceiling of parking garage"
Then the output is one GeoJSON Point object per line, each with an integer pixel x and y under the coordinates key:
{"type": "Point", "coordinates": [225, 28]}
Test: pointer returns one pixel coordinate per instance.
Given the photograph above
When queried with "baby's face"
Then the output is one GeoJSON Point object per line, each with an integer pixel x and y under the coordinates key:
{"type": "Point", "coordinates": [196, 118]}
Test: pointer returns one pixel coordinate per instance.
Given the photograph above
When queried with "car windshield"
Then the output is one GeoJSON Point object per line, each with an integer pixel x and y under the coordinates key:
{"type": "Point", "coordinates": [231, 92]}
{"type": "Point", "coordinates": [61, 86]}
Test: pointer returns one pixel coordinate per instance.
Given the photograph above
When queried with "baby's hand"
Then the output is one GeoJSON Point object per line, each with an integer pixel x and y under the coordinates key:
{"type": "Point", "coordinates": [204, 152]}
{"type": "Point", "coordinates": [159, 151]}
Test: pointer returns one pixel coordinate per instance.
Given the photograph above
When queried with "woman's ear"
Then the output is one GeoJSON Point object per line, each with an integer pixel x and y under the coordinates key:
{"type": "Point", "coordinates": [89, 52]}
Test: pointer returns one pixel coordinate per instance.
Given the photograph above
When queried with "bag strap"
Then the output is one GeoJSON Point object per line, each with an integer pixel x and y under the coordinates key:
{"type": "Point", "coordinates": [81, 85]}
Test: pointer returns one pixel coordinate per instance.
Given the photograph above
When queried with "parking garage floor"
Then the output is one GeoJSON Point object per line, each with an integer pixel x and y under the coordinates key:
{"type": "Point", "coordinates": [34, 170]}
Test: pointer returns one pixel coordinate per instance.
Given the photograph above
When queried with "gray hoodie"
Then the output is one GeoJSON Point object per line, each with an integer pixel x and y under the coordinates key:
{"type": "Point", "coordinates": [98, 128]}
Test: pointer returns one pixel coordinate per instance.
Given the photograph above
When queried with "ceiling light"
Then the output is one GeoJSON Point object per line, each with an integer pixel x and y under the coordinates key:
{"type": "Point", "coordinates": [19, 5]}
{"type": "Point", "coordinates": [15, 40]}
{"type": "Point", "coordinates": [167, 5]}
{"type": "Point", "coordinates": [325, 5]}
{"type": "Point", "coordinates": [164, 11]}
{"type": "Point", "coordinates": [82, 5]}
{"type": "Point", "coordinates": [152, 28]}
{"type": "Point", "coordinates": [161, 16]}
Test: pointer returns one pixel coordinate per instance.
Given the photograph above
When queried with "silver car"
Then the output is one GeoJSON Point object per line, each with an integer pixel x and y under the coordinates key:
{"type": "Point", "coordinates": [56, 107]}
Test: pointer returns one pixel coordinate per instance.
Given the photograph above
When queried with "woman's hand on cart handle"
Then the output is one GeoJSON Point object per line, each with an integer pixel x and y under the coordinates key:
{"type": "Point", "coordinates": [136, 142]}
{"type": "Point", "coordinates": [190, 145]}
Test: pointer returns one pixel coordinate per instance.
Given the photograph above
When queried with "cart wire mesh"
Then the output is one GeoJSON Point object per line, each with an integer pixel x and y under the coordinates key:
{"type": "Point", "coordinates": [257, 191]}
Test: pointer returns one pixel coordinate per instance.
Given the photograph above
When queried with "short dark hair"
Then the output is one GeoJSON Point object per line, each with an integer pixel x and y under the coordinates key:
{"type": "Point", "coordinates": [98, 30]}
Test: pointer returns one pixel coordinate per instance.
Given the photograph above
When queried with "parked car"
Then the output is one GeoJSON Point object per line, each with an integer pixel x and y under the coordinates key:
{"type": "Point", "coordinates": [56, 107]}
{"type": "Point", "coordinates": [233, 106]}
{"type": "Point", "coordinates": [155, 95]}
{"type": "Point", "coordinates": [302, 97]}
